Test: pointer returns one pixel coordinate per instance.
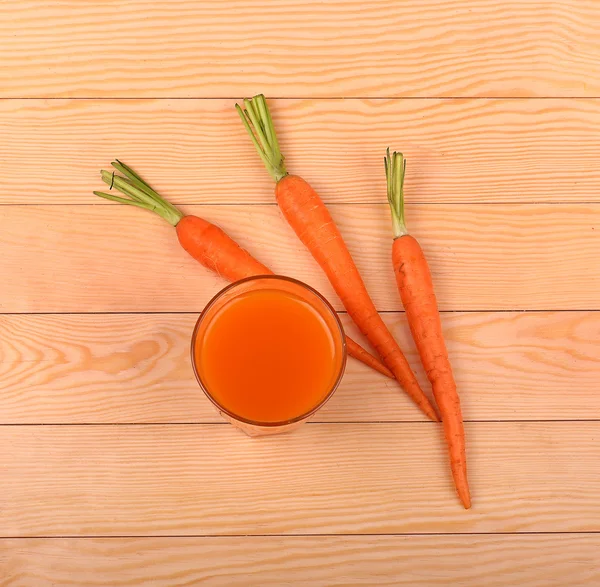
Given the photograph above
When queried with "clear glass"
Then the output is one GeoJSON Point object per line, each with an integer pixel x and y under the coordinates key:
{"type": "Point", "coordinates": [286, 285]}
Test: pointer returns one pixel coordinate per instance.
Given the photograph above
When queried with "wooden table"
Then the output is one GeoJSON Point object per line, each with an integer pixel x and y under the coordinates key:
{"type": "Point", "coordinates": [115, 471]}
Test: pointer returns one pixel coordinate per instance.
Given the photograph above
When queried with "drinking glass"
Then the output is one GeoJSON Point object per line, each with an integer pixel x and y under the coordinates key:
{"type": "Point", "coordinates": [285, 285]}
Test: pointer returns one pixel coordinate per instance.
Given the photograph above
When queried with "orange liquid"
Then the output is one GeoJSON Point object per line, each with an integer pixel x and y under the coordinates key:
{"type": "Point", "coordinates": [268, 356]}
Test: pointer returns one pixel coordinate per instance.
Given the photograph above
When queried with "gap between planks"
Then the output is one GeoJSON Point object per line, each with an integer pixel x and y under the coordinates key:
{"type": "Point", "coordinates": [332, 204]}
{"type": "Point", "coordinates": [341, 312]}
{"type": "Point", "coordinates": [306, 97]}
{"type": "Point", "coordinates": [314, 423]}
{"type": "Point", "coordinates": [295, 535]}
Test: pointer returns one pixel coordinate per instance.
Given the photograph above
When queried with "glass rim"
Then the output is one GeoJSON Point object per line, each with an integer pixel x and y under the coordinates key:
{"type": "Point", "coordinates": [327, 306]}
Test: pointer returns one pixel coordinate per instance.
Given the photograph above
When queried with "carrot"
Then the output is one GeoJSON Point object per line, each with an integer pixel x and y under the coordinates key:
{"type": "Point", "coordinates": [418, 297]}
{"type": "Point", "coordinates": [204, 241]}
{"type": "Point", "coordinates": [309, 218]}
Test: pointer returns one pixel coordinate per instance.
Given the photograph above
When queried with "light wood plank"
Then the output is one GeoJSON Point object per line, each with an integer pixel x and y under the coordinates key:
{"type": "Point", "coordinates": [324, 478]}
{"type": "Point", "coordinates": [197, 151]}
{"type": "Point", "coordinates": [296, 48]}
{"type": "Point", "coordinates": [136, 368]}
{"type": "Point", "coordinates": [115, 258]}
{"type": "Point", "coordinates": [415, 561]}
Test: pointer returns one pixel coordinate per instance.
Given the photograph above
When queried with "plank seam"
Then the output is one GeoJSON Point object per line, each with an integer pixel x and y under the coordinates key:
{"type": "Point", "coordinates": [292, 98]}
{"type": "Point", "coordinates": [341, 312]}
{"type": "Point", "coordinates": [295, 535]}
{"type": "Point", "coordinates": [274, 204]}
{"type": "Point", "coordinates": [317, 423]}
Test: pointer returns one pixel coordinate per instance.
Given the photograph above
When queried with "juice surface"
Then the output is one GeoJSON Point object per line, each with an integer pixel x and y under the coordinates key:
{"type": "Point", "coordinates": [267, 356]}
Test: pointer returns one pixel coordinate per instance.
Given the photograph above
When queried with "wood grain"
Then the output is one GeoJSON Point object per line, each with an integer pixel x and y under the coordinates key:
{"type": "Point", "coordinates": [116, 258]}
{"type": "Point", "coordinates": [293, 48]}
{"type": "Point", "coordinates": [114, 470]}
{"type": "Point", "coordinates": [324, 478]}
{"type": "Point", "coordinates": [196, 151]}
{"type": "Point", "coordinates": [136, 368]}
{"type": "Point", "coordinates": [318, 561]}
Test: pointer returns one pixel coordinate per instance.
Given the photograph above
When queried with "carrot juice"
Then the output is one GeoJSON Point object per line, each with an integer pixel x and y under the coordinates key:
{"type": "Point", "coordinates": [269, 351]}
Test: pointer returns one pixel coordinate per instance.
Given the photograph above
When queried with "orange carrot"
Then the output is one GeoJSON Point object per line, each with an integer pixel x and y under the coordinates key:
{"type": "Point", "coordinates": [418, 297]}
{"type": "Point", "coordinates": [309, 218]}
{"type": "Point", "coordinates": [204, 241]}
{"type": "Point", "coordinates": [360, 354]}
{"type": "Point", "coordinates": [216, 250]}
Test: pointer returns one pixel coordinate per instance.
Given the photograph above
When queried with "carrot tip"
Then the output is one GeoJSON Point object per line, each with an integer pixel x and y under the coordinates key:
{"type": "Point", "coordinates": [429, 410]}
{"type": "Point", "coordinates": [380, 368]}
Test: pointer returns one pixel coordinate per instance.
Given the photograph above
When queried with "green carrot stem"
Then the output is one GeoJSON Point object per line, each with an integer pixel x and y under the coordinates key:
{"type": "Point", "coordinates": [138, 193]}
{"type": "Point", "coordinates": [395, 169]}
{"type": "Point", "coordinates": [123, 185]}
{"type": "Point", "coordinates": [259, 124]}
{"type": "Point", "coordinates": [114, 198]}
{"type": "Point", "coordinates": [134, 178]}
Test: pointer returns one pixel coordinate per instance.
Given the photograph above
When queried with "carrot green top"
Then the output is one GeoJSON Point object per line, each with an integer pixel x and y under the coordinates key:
{"type": "Point", "coordinates": [259, 124]}
{"type": "Point", "coordinates": [395, 168]}
{"type": "Point", "coordinates": [138, 193]}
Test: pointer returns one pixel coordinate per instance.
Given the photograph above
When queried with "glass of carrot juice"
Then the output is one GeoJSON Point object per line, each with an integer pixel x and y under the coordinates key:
{"type": "Point", "coordinates": [268, 351]}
